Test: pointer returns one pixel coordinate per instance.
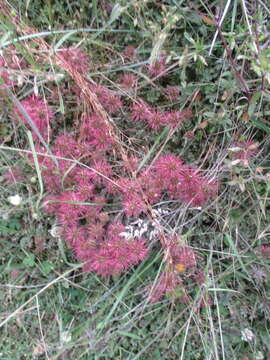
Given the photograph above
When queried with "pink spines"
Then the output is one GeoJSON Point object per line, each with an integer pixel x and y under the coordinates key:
{"type": "Point", "coordinates": [92, 122]}
{"type": "Point", "coordinates": [175, 118]}
{"type": "Point", "coordinates": [128, 251]}
{"type": "Point", "coordinates": [85, 190]}
{"type": "Point", "coordinates": [2, 61]}
{"type": "Point", "coordinates": [172, 92]}
{"type": "Point", "coordinates": [74, 234]}
{"type": "Point", "coordinates": [167, 284]}
{"type": "Point", "coordinates": [101, 171]}
{"type": "Point", "coordinates": [102, 263]}
{"type": "Point", "coordinates": [189, 186]}
{"type": "Point", "coordinates": [168, 165]}
{"type": "Point", "coordinates": [71, 204]}
{"type": "Point", "coordinates": [128, 81]}
{"type": "Point", "coordinates": [57, 175]}
{"type": "Point", "coordinates": [94, 132]}
{"type": "Point", "coordinates": [134, 205]}
{"type": "Point", "coordinates": [52, 179]}
{"type": "Point", "coordinates": [137, 251]}
{"type": "Point", "coordinates": [158, 68]}
{"type": "Point", "coordinates": [115, 229]}
{"type": "Point", "coordinates": [141, 111]}
{"type": "Point", "coordinates": [76, 58]}
{"type": "Point", "coordinates": [91, 212]}
{"type": "Point", "coordinates": [83, 176]}
{"type": "Point", "coordinates": [112, 188]}
{"type": "Point", "coordinates": [85, 249]}
{"type": "Point", "coordinates": [132, 199]}
{"type": "Point", "coordinates": [111, 102]}
{"type": "Point", "coordinates": [184, 182]}
{"type": "Point", "coordinates": [101, 139]}
{"type": "Point", "coordinates": [50, 173]}
{"type": "Point", "coordinates": [152, 186]}
{"type": "Point", "coordinates": [185, 256]}
{"type": "Point", "coordinates": [66, 146]}
{"type": "Point", "coordinates": [154, 119]}
{"type": "Point", "coordinates": [181, 256]}
{"type": "Point", "coordinates": [99, 202]}
{"type": "Point", "coordinates": [129, 186]}
{"type": "Point", "coordinates": [50, 203]}
{"type": "Point", "coordinates": [194, 188]}
{"type": "Point", "coordinates": [115, 255]}
{"type": "Point", "coordinates": [131, 164]}
{"type": "Point", "coordinates": [69, 219]}
{"type": "Point", "coordinates": [39, 112]}
{"type": "Point", "coordinates": [96, 230]}
{"type": "Point", "coordinates": [103, 260]}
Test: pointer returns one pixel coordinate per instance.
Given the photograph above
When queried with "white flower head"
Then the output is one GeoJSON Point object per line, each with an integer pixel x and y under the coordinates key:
{"type": "Point", "coordinates": [15, 200]}
{"type": "Point", "coordinates": [55, 231]}
{"type": "Point", "coordinates": [259, 356]}
{"type": "Point", "coordinates": [247, 335]}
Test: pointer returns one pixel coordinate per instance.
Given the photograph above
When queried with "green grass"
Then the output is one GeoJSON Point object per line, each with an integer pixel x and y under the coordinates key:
{"type": "Point", "coordinates": [49, 308]}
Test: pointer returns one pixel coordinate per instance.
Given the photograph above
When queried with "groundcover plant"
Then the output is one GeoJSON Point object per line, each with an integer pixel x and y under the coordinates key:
{"type": "Point", "coordinates": [135, 180]}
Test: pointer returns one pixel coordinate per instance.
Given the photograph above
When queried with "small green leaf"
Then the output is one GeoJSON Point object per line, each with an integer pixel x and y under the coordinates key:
{"type": "Point", "coordinates": [128, 334]}
{"type": "Point", "coordinates": [116, 12]}
{"type": "Point", "coordinates": [260, 125]}
{"type": "Point", "coordinates": [46, 267]}
{"type": "Point", "coordinates": [29, 260]}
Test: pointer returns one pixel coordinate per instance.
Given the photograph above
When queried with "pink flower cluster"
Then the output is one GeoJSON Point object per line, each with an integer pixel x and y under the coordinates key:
{"type": "Point", "coordinates": [155, 119]}
{"type": "Point", "coordinates": [158, 68]}
{"type": "Point", "coordinates": [184, 182]}
{"type": "Point", "coordinates": [111, 102]}
{"type": "Point", "coordinates": [128, 81]}
{"type": "Point", "coordinates": [167, 285]}
{"type": "Point", "coordinates": [93, 132]}
{"type": "Point", "coordinates": [81, 211]}
{"type": "Point", "coordinates": [178, 258]}
{"type": "Point", "coordinates": [39, 112]}
{"type": "Point", "coordinates": [102, 249]}
{"type": "Point", "coordinates": [76, 58]}
{"type": "Point", "coordinates": [172, 92]}
{"type": "Point", "coordinates": [80, 196]}
{"type": "Point", "coordinates": [100, 246]}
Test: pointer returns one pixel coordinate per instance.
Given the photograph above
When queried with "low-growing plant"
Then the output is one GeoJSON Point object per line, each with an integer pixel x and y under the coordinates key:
{"type": "Point", "coordinates": [142, 159]}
